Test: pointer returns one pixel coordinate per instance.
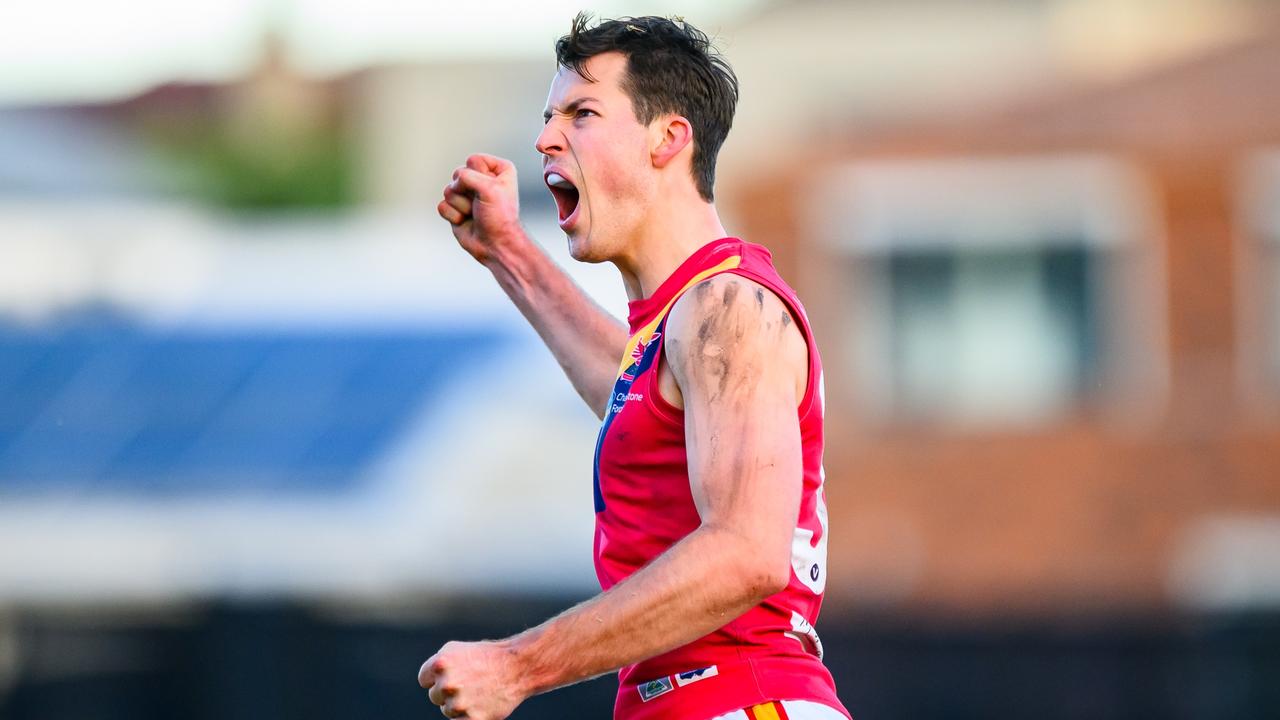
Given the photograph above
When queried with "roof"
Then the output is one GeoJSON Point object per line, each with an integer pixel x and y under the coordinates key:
{"type": "Point", "coordinates": [1225, 97]}
{"type": "Point", "coordinates": [113, 408]}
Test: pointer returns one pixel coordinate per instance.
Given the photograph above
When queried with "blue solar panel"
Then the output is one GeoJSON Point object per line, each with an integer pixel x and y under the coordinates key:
{"type": "Point", "coordinates": [106, 407]}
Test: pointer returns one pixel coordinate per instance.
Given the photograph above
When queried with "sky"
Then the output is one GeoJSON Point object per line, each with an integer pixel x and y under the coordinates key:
{"type": "Point", "coordinates": [76, 50]}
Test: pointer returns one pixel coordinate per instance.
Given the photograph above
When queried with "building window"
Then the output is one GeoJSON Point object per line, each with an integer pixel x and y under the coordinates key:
{"type": "Point", "coordinates": [984, 292]}
{"type": "Point", "coordinates": [990, 332]}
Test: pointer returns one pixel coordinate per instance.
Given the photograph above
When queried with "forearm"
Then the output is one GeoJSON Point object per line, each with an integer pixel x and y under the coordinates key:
{"type": "Point", "coordinates": [585, 340]}
{"type": "Point", "coordinates": [701, 584]}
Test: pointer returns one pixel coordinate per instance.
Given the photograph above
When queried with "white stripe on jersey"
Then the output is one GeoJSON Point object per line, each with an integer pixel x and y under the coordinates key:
{"type": "Point", "coordinates": [796, 710]}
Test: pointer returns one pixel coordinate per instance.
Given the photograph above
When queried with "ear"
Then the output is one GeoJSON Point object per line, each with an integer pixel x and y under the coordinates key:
{"type": "Point", "coordinates": [671, 135]}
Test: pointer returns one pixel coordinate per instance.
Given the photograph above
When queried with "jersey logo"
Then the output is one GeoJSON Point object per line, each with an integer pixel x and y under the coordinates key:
{"type": "Point", "coordinates": [693, 676]}
{"type": "Point", "coordinates": [637, 354]}
{"type": "Point", "coordinates": [654, 688]}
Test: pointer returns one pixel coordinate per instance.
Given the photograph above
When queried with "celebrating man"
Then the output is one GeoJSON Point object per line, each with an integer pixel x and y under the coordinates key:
{"type": "Point", "coordinates": [711, 524]}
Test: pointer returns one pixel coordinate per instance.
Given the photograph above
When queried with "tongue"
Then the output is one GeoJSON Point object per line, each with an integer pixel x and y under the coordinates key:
{"type": "Point", "coordinates": [566, 201]}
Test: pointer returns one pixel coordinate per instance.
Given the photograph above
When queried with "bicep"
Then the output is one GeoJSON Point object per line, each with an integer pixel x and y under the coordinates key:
{"type": "Point", "coordinates": [734, 358]}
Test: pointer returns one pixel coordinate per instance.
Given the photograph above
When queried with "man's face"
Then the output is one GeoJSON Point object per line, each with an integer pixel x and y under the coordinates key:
{"type": "Point", "coordinates": [596, 159]}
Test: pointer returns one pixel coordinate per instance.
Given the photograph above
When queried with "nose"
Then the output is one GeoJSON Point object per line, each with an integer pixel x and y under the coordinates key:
{"type": "Point", "coordinates": [550, 140]}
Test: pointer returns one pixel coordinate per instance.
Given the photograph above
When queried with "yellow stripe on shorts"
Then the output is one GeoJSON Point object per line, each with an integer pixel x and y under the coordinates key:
{"type": "Point", "coordinates": [764, 711]}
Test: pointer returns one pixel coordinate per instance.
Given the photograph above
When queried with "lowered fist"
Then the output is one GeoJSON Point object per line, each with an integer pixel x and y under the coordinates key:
{"type": "Point", "coordinates": [474, 680]}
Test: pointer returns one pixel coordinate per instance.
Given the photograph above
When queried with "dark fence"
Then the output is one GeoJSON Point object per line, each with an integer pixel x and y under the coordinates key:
{"type": "Point", "coordinates": [287, 662]}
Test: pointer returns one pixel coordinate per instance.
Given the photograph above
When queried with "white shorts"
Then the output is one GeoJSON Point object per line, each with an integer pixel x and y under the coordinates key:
{"type": "Point", "coordinates": [795, 710]}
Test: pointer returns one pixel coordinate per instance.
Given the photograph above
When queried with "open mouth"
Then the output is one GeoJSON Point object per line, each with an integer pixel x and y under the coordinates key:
{"type": "Point", "coordinates": [565, 194]}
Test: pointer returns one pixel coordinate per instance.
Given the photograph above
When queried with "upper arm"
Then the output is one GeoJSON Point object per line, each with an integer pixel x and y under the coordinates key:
{"type": "Point", "coordinates": [738, 358]}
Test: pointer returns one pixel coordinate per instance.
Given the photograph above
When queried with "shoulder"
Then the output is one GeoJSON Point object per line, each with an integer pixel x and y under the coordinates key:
{"type": "Point", "coordinates": [726, 303]}
{"type": "Point", "coordinates": [729, 321]}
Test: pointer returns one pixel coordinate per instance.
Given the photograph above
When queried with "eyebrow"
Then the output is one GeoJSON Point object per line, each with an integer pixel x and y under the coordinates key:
{"type": "Point", "coordinates": [573, 105]}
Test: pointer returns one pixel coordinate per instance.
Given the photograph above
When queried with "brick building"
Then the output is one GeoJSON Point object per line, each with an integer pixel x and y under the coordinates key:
{"type": "Point", "coordinates": [1052, 336]}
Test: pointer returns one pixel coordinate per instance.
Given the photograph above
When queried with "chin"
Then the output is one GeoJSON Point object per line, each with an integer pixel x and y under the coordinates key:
{"type": "Point", "coordinates": [581, 249]}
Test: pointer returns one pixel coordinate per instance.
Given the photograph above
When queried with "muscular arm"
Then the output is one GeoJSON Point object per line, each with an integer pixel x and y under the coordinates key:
{"type": "Point", "coordinates": [735, 359]}
{"type": "Point", "coordinates": [481, 205]}
{"type": "Point", "coordinates": [586, 341]}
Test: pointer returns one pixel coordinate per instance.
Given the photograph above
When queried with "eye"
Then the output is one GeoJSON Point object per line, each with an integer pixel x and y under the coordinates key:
{"type": "Point", "coordinates": [584, 112]}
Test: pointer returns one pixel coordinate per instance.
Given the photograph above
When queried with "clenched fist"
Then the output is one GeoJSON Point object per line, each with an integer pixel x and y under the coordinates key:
{"type": "Point", "coordinates": [475, 680]}
{"type": "Point", "coordinates": [483, 206]}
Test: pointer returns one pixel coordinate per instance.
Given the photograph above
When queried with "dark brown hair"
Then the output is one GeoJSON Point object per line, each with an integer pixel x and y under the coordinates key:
{"type": "Point", "coordinates": [671, 68]}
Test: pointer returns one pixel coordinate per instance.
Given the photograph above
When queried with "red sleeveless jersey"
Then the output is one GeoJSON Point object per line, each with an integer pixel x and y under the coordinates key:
{"type": "Point", "coordinates": [644, 505]}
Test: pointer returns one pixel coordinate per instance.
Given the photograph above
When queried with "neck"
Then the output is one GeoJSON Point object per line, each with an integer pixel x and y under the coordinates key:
{"type": "Point", "coordinates": [664, 240]}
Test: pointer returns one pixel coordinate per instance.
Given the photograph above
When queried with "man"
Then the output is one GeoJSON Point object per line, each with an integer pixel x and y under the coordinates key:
{"type": "Point", "coordinates": [710, 519]}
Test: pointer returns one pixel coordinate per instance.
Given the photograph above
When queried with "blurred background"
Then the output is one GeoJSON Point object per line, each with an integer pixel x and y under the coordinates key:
{"type": "Point", "coordinates": [268, 437]}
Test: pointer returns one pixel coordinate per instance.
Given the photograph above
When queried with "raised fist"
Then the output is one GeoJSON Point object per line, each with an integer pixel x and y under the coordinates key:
{"type": "Point", "coordinates": [482, 205]}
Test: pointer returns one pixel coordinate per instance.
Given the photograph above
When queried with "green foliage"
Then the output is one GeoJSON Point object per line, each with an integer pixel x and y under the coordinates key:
{"type": "Point", "coordinates": [309, 169]}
